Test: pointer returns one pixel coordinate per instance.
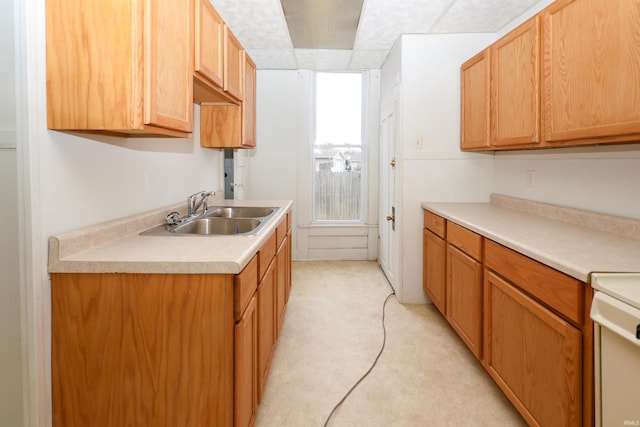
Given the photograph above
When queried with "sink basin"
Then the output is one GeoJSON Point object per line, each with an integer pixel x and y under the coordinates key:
{"type": "Point", "coordinates": [218, 221]}
{"type": "Point", "coordinates": [239, 212]}
{"type": "Point", "coordinates": [225, 226]}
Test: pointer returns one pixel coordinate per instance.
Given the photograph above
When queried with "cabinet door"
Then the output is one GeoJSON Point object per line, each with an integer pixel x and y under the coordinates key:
{"type": "Point", "coordinates": [464, 297]}
{"type": "Point", "coordinates": [118, 67]}
{"type": "Point", "coordinates": [209, 42]}
{"type": "Point", "coordinates": [591, 71]}
{"type": "Point", "coordinates": [233, 65]}
{"type": "Point", "coordinates": [232, 126]}
{"type": "Point", "coordinates": [142, 349]}
{"type": "Point", "coordinates": [249, 103]}
{"type": "Point", "coordinates": [168, 38]}
{"type": "Point", "coordinates": [246, 367]}
{"type": "Point", "coordinates": [515, 86]}
{"type": "Point", "coordinates": [266, 326]}
{"type": "Point", "coordinates": [474, 112]}
{"type": "Point", "coordinates": [288, 249]}
{"type": "Point", "coordinates": [433, 274]}
{"type": "Point", "coordinates": [281, 285]}
{"type": "Point", "coordinates": [533, 355]}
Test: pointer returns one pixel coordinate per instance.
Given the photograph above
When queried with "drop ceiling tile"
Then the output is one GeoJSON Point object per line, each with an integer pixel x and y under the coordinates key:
{"type": "Point", "coordinates": [470, 16]}
{"type": "Point", "coordinates": [367, 59]}
{"type": "Point", "coordinates": [323, 59]}
{"type": "Point", "coordinates": [383, 21]}
{"type": "Point", "coordinates": [258, 24]}
{"type": "Point", "coordinates": [274, 59]}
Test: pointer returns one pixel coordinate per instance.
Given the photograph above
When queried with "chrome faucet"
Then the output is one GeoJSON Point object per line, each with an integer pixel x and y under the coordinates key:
{"type": "Point", "coordinates": [197, 201]}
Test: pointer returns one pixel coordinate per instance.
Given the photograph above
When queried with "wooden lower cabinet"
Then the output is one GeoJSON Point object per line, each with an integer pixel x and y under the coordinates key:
{"type": "Point", "coordinates": [526, 322]}
{"type": "Point", "coordinates": [434, 272]}
{"type": "Point", "coordinates": [142, 349]}
{"type": "Point", "coordinates": [266, 325]}
{"type": "Point", "coordinates": [464, 297]}
{"type": "Point", "coordinates": [166, 349]}
{"type": "Point", "coordinates": [281, 285]}
{"type": "Point", "coordinates": [246, 366]}
{"type": "Point", "coordinates": [533, 355]}
{"type": "Point", "coordinates": [288, 258]}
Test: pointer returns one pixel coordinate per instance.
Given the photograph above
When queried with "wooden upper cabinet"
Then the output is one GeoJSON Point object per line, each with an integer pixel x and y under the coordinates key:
{"type": "Point", "coordinates": [120, 67]}
{"type": "Point", "coordinates": [591, 71]}
{"type": "Point", "coordinates": [249, 103]}
{"type": "Point", "coordinates": [474, 112]}
{"type": "Point", "coordinates": [230, 125]}
{"type": "Point", "coordinates": [515, 86]}
{"type": "Point", "coordinates": [234, 65]}
{"type": "Point", "coordinates": [209, 44]}
{"type": "Point", "coordinates": [210, 58]}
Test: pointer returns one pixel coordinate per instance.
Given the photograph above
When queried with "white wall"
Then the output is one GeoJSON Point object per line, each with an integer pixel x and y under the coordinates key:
{"type": "Point", "coordinates": [601, 179]}
{"type": "Point", "coordinates": [273, 166]}
{"type": "Point", "coordinates": [10, 331]}
{"type": "Point", "coordinates": [436, 171]}
{"type": "Point", "coordinates": [71, 181]}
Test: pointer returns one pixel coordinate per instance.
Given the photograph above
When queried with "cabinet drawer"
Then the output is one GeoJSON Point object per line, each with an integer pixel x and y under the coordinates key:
{"type": "Point", "coordinates": [434, 223]}
{"type": "Point", "coordinates": [465, 240]}
{"type": "Point", "coordinates": [556, 290]}
{"type": "Point", "coordinates": [245, 286]}
{"type": "Point", "coordinates": [265, 255]}
{"type": "Point", "coordinates": [281, 232]}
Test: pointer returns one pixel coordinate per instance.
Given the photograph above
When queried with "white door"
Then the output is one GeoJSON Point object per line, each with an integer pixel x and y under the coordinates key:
{"type": "Point", "coordinates": [388, 262]}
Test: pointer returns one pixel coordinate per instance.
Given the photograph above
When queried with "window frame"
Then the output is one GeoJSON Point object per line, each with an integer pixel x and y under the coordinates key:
{"type": "Point", "coordinates": [363, 147]}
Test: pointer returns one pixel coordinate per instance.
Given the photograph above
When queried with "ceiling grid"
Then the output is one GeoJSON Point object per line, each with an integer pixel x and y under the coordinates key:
{"type": "Point", "coordinates": [352, 34]}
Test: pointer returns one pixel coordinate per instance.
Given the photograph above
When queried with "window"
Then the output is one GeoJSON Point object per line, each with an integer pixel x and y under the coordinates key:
{"type": "Point", "coordinates": [338, 150]}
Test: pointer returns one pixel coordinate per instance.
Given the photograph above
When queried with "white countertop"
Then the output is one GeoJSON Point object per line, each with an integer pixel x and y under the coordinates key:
{"type": "Point", "coordinates": [117, 247]}
{"type": "Point", "coordinates": [574, 242]}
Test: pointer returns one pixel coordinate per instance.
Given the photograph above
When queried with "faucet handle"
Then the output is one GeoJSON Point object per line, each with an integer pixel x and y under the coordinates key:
{"type": "Point", "coordinates": [205, 199]}
{"type": "Point", "coordinates": [172, 218]}
{"type": "Point", "coordinates": [191, 202]}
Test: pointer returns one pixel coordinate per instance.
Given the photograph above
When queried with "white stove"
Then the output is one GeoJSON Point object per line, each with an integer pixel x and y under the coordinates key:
{"type": "Point", "coordinates": [616, 314]}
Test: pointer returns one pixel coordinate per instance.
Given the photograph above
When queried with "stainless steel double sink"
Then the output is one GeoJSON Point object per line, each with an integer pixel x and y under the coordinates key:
{"type": "Point", "coordinates": [218, 221]}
